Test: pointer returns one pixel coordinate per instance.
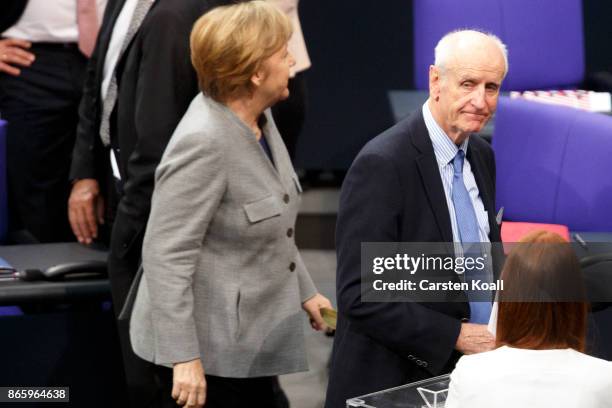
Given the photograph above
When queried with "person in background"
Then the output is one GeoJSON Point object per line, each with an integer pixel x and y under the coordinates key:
{"type": "Point", "coordinates": [44, 47]}
{"type": "Point", "coordinates": [218, 307]}
{"type": "Point", "coordinates": [289, 114]}
{"type": "Point", "coordinates": [139, 84]}
{"type": "Point", "coordinates": [539, 359]}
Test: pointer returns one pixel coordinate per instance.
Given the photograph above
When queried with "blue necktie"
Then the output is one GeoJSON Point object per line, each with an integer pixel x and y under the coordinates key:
{"type": "Point", "coordinates": [468, 232]}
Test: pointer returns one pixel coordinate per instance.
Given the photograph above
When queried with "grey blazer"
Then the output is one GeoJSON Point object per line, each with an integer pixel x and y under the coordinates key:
{"type": "Point", "coordinates": [223, 279]}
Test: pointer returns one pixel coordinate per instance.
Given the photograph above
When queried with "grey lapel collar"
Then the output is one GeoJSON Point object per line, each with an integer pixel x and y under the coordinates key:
{"type": "Point", "coordinates": [140, 13]}
{"type": "Point", "coordinates": [273, 139]}
{"type": "Point", "coordinates": [276, 165]}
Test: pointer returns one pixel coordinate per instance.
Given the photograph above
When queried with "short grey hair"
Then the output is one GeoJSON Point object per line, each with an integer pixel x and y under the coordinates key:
{"type": "Point", "coordinates": [444, 47]}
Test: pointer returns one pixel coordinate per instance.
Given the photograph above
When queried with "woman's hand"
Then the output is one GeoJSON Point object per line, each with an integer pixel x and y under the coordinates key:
{"type": "Point", "coordinates": [189, 384]}
{"type": "Point", "coordinates": [312, 306]}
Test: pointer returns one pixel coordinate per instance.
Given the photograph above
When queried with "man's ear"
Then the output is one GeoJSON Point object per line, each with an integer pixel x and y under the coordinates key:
{"type": "Point", "coordinates": [434, 81]}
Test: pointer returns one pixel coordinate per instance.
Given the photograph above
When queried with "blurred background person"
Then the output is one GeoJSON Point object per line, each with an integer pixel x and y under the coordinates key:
{"type": "Point", "coordinates": [44, 46]}
{"type": "Point", "coordinates": [223, 285]}
{"type": "Point", "coordinates": [289, 114]}
{"type": "Point", "coordinates": [541, 334]}
{"type": "Point", "coordinates": [139, 84]}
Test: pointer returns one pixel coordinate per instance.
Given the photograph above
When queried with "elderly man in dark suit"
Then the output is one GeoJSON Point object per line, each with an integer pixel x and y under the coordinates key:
{"type": "Point", "coordinates": [139, 84]}
{"type": "Point", "coordinates": [423, 180]}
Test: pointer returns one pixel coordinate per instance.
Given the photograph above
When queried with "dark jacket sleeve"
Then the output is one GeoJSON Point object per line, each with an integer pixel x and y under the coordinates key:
{"type": "Point", "coordinates": [371, 208]}
{"type": "Point", "coordinates": [166, 85]}
{"type": "Point", "coordinates": [86, 145]}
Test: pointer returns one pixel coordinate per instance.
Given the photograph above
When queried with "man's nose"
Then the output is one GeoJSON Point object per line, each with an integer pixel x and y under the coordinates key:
{"type": "Point", "coordinates": [478, 98]}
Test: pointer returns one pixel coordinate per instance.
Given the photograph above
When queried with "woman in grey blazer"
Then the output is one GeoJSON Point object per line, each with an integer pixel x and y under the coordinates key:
{"type": "Point", "coordinates": [224, 284]}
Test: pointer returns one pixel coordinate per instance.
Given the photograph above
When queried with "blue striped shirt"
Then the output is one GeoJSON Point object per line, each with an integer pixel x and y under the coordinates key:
{"type": "Point", "coordinates": [445, 151]}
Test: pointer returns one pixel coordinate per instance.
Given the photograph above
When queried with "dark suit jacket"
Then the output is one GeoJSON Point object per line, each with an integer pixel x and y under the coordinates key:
{"type": "Point", "coordinates": [156, 83]}
{"type": "Point", "coordinates": [393, 192]}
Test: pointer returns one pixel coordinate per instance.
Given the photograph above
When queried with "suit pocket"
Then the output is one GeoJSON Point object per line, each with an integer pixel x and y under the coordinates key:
{"type": "Point", "coordinates": [263, 209]}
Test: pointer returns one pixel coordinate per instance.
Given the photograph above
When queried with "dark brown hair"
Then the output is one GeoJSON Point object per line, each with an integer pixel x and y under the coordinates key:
{"type": "Point", "coordinates": [542, 305]}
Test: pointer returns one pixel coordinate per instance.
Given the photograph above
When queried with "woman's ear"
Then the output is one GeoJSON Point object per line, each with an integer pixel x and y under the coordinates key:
{"type": "Point", "coordinates": [257, 78]}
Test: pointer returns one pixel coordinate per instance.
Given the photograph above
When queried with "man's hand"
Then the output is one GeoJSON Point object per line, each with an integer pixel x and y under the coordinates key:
{"type": "Point", "coordinates": [312, 307]}
{"type": "Point", "coordinates": [474, 338]}
{"type": "Point", "coordinates": [85, 210]}
{"type": "Point", "coordinates": [189, 384]}
{"type": "Point", "coordinates": [13, 52]}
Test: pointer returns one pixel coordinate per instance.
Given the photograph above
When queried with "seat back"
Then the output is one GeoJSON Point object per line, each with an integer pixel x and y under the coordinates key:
{"type": "Point", "coordinates": [553, 165]}
{"type": "Point", "coordinates": [544, 37]}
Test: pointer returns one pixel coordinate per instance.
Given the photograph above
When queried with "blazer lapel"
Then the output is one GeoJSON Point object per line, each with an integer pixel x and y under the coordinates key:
{"type": "Point", "coordinates": [275, 143]}
{"type": "Point", "coordinates": [430, 176]}
{"type": "Point", "coordinates": [135, 23]}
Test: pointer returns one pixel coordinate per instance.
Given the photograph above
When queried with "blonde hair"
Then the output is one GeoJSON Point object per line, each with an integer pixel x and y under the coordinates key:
{"type": "Point", "coordinates": [230, 43]}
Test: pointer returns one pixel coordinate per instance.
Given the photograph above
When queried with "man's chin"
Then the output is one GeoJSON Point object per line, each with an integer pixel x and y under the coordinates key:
{"type": "Point", "coordinates": [475, 126]}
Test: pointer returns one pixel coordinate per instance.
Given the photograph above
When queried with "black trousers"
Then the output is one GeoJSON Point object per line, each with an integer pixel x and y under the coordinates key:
{"type": "Point", "coordinates": [123, 261]}
{"type": "Point", "coordinates": [221, 392]}
{"type": "Point", "coordinates": [41, 107]}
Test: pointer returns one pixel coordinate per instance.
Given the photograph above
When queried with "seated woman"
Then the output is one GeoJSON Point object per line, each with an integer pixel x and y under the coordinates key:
{"type": "Point", "coordinates": [540, 338]}
{"type": "Point", "coordinates": [219, 306]}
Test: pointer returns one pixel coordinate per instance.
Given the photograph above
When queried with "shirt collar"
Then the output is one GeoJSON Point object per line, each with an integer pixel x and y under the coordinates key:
{"type": "Point", "coordinates": [444, 148]}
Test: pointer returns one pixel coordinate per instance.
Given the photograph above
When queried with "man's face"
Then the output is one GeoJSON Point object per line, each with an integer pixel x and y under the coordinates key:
{"type": "Point", "coordinates": [465, 92]}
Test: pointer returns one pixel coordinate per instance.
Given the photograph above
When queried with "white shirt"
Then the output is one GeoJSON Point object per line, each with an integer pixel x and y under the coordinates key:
{"type": "Point", "coordinates": [116, 43]}
{"type": "Point", "coordinates": [445, 150]}
{"type": "Point", "coordinates": [511, 378]}
{"type": "Point", "coordinates": [49, 21]}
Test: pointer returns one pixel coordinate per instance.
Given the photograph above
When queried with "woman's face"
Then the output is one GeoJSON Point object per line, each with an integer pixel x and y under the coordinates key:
{"type": "Point", "coordinates": [274, 76]}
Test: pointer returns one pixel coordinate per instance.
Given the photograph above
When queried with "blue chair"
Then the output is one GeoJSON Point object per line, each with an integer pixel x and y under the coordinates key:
{"type": "Point", "coordinates": [544, 37]}
{"type": "Point", "coordinates": [553, 165]}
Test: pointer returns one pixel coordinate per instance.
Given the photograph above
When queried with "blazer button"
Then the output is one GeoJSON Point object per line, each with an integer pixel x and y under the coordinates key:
{"type": "Point", "coordinates": [292, 266]}
{"type": "Point", "coordinates": [410, 357]}
{"type": "Point", "coordinates": [424, 363]}
{"type": "Point", "coordinates": [290, 232]}
{"type": "Point", "coordinates": [286, 198]}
